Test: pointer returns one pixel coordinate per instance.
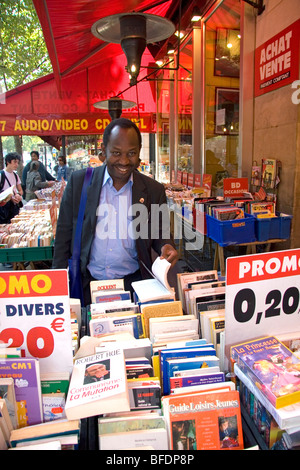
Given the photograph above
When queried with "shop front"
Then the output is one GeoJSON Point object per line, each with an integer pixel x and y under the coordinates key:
{"type": "Point", "coordinates": [228, 99]}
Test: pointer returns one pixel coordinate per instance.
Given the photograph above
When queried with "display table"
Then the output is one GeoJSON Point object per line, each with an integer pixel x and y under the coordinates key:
{"type": "Point", "coordinates": [18, 256]}
{"type": "Point", "coordinates": [251, 249]}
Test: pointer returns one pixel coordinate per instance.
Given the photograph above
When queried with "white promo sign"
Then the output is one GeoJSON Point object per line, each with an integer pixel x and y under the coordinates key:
{"type": "Point", "coordinates": [262, 295]}
{"type": "Point", "coordinates": [35, 316]}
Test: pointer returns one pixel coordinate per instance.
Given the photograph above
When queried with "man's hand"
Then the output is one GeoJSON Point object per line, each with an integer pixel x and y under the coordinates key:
{"type": "Point", "coordinates": [170, 254]}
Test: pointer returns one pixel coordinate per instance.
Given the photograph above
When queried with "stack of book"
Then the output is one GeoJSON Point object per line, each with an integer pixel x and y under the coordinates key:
{"type": "Point", "coordinates": [29, 396]}
{"type": "Point", "coordinates": [269, 376]}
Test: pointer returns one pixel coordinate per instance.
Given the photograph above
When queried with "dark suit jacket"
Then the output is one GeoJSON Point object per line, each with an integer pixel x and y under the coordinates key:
{"type": "Point", "coordinates": [145, 191]}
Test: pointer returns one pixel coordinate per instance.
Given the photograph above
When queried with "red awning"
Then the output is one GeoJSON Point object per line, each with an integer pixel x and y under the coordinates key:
{"type": "Point", "coordinates": [67, 29]}
{"type": "Point", "coordinates": [85, 70]}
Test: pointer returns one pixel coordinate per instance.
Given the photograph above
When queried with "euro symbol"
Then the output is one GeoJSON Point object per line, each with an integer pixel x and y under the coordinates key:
{"type": "Point", "coordinates": [57, 325]}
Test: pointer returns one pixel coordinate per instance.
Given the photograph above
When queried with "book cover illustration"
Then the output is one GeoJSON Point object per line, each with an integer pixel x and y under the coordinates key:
{"type": "Point", "coordinates": [272, 367]}
{"type": "Point", "coordinates": [208, 421]}
{"type": "Point", "coordinates": [98, 385]}
{"type": "Point", "coordinates": [26, 376]}
{"type": "Point", "coordinates": [269, 173]}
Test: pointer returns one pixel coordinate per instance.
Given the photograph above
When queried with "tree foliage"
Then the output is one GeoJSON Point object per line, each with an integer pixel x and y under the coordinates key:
{"type": "Point", "coordinates": [23, 53]}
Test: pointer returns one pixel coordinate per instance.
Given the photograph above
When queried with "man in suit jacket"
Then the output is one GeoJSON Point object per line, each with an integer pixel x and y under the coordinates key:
{"type": "Point", "coordinates": [120, 199]}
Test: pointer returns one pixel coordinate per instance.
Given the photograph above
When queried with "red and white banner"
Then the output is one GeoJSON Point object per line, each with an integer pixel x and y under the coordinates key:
{"type": "Point", "coordinates": [234, 187]}
{"type": "Point", "coordinates": [277, 60]}
{"type": "Point", "coordinates": [262, 295]}
{"type": "Point", "coordinates": [35, 316]}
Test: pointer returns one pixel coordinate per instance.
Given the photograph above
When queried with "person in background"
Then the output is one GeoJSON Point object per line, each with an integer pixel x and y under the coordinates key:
{"type": "Point", "coordinates": [34, 181]}
{"type": "Point", "coordinates": [45, 175]}
{"type": "Point", "coordinates": [116, 188]}
{"type": "Point", "coordinates": [10, 207]}
{"type": "Point", "coordinates": [63, 170]}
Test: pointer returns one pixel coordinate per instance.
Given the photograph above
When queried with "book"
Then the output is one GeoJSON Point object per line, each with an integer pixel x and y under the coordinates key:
{"type": "Point", "coordinates": [174, 365]}
{"type": "Point", "coordinates": [201, 379]}
{"type": "Point", "coordinates": [6, 195]}
{"type": "Point", "coordinates": [156, 288]}
{"type": "Point", "coordinates": [272, 367]}
{"type": "Point", "coordinates": [269, 169]}
{"type": "Point", "coordinates": [287, 418]}
{"type": "Point", "coordinates": [53, 382]}
{"type": "Point", "coordinates": [6, 425]}
{"type": "Point", "coordinates": [131, 348]}
{"type": "Point", "coordinates": [162, 325]}
{"type": "Point", "coordinates": [255, 175]}
{"type": "Point", "coordinates": [130, 422]}
{"type": "Point", "coordinates": [26, 375]}
{"type": "Point", "coordinates": [208, 421]}
{"type": "Point", "coordinates": [109, 324]}
{"type": "Point", "coordinates": [7, 393]}
{"type": "Point", "coordinates": [144, 394]}
{"type": "Point", "coordinates": [52, 445]}
{"type": "Point", "coordinates": [106, 285]}
{"type": "Point", "coordinates": [53, 406]}
{"type": "Point", "coordinates": [98, 384]}
{"type": "Point", "coordinates": [180, 353]}
{"type": "Point", "coordinates": [114, 296]}
{"type": "Point", "coordinates": [51, 429]}
{"type": "Point", "coordinates": [167, 309]}
{"type": "Point", "coordinates": [183, 279]}
{"type": "Point", "coordinates": [217, 386]}
{"type": "Point", "coordinates": [156, 438]}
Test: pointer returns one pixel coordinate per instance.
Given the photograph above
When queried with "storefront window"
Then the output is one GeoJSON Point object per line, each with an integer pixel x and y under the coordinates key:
{"type": "Point", "coordinates": [163, 125]}
{"type": "Point", "coordinates": [185, 90]}
{"type": "Point", "coordinates": [222, 71]}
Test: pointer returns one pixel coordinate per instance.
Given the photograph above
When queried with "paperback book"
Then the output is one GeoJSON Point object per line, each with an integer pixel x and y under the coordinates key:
{"type": "Point", "coordinates": [208, 421]}
{"type": "Point", "coordinates": [98, 385]}
{"type": "Point", "coordinates": [270, 365]}
{"type": "Point", "coordinates": [26, 375]}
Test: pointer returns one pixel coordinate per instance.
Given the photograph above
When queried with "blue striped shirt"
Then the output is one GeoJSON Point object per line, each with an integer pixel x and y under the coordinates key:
{"type": "Point", "coordinates": [113, 251]}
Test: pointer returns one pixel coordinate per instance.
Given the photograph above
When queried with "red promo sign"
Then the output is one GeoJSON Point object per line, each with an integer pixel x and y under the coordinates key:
{"type": "Point", "coordinates": [72, 124]}
{"type": "Point", "coordinates": [235, 186]}
{"type": "Point", "coordinates": [262, 267]}
{"type": "Point", "coordinates": [35, 316]}
{"type": "Point", "coordinates": [277, 60]}
{"type": "Point", "coordinates": [197, 180]}
{"type": "Point", "coordinates": [190, 180]}
{"type": "Point", "coordinates": [262, 295]}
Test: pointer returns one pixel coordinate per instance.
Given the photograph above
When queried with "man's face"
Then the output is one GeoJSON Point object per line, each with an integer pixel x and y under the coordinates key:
{"type": "Point", "coordinates": [34, 157]}
{"type": "Point", "coordinates": [13, 165]}
{"type": "Point", "coordinates": [122, 154]}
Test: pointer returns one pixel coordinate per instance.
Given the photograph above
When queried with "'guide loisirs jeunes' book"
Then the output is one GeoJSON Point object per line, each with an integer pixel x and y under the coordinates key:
{"type": "Point", "coordinates": [272, 367]}
{"type": "Point", "coordinates": [98, 385]}
{"type": "Point", "coordinates": [204, 421]}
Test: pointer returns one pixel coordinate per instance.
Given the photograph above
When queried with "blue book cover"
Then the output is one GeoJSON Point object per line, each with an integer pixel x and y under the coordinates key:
{"type": "Point", "coordinates": [173, 365]}
{"type": "Point", "coordinates": [182, 353]}
{"type": "Point", "coordinates": [202, 379]}
{"type": "Point", "coordinates": [113, 297]}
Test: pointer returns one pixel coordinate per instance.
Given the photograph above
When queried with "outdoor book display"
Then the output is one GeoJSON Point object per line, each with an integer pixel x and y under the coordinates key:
{"type": "Point", "coordinates": [153, 376]}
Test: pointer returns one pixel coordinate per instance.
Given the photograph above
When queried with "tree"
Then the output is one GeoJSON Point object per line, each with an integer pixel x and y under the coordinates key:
{"type": "Point", "coordinates": [23, 53]}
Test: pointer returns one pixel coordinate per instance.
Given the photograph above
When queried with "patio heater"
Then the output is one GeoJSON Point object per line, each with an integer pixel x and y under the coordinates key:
{"type": "Point", "coordinates": [133, 31]}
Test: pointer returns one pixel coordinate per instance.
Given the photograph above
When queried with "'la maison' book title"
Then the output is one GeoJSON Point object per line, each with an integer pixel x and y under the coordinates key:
{"type": "Point", "coordinates": [98, 385]}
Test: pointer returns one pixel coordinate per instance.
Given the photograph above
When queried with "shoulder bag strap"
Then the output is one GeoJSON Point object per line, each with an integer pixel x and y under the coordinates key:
{"type": "Point", "coordinates": [77, 239]}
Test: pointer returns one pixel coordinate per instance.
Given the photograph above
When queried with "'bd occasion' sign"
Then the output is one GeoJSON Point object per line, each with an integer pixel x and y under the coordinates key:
{"type": "Point", "coordinates": [277, 60]}
{"type": "Point", "coordinates": [262, 295]}
{"type": "Point", "coordinates": [35, 316]}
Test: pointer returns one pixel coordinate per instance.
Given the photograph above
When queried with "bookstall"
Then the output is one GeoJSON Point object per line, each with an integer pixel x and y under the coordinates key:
{"type": "Point", "coordinates": [214, 366]}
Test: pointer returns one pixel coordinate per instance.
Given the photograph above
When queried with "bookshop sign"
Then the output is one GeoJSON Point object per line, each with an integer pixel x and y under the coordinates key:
{"type": "Point", "coordinates": [277, 60]}
{"type": "Point", "coordinates": [262, 295]}
{"type": "Point", "coordinates": [35, 316]}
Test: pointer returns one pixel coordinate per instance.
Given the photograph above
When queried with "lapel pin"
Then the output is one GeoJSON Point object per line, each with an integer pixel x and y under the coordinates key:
{"type": "Point", "coordinates": [142, 200]}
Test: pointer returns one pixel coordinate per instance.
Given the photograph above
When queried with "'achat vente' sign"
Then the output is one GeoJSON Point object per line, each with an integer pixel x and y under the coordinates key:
{"type": "Point", "coordinates": [277, 60]}
{"type": "Point", "coordinates": [35, 316]}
